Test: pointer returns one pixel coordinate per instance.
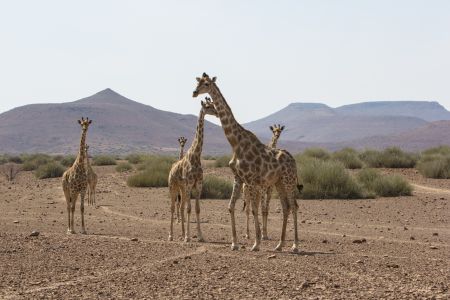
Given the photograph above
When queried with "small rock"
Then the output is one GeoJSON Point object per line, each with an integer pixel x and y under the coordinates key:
{"type": "Point", "coordinates": [433, 247]}
{"type": "Point", "coordinates": [325, 241]}
{"type": "Point", "coordinates": [412, 238]}
{"type": "Point", "coordinates": [305, 285]}
{"type": "Point", "coordinates": [15, 222]}
{"type": "Point", "coordinates": [405, 228]}
{"type": "Point", "coordinates": [243, 247]}
{"type": "Point", "coordinates": [271, 256]}
{"type": "Point", "coordinates": [336, 286]}
{"type": "Point", "coordinates": [175, 262]}
{"type": "Point", "coordinates": [363, 240]}
{"type": "Point", "coordinates": [34, 233]}
{"type": "Point", "coordinates": [394, 266]}
{"type": "Point", "coordinates": [359, 262]}
{"type": "Point", "coordinates": [435, 234]}
{"type": "Point", "coordinates": [134, 239]}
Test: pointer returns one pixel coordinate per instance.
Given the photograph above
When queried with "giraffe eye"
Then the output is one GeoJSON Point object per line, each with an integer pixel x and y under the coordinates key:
{"type": "Point", "coordinates": [206, 84]}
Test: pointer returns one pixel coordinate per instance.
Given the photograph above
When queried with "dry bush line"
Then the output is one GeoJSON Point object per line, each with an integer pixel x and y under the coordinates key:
{"type": "Point", "coordinates": [200, 250]}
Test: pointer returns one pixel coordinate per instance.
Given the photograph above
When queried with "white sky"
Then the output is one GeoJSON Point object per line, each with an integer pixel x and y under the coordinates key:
{"type": "Point", "coordinates": [266, 54]}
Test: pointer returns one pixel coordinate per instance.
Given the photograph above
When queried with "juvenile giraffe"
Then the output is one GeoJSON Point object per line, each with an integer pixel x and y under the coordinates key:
{"type": "Point", "coordinates": [182, 141]}
{"type": "Point", "coordinates": [256, 165]}
{"type": "Point", "coordinates": [186, 175]}
{"type": "Point", "coordinates": [91, 178]}
{"type": "Point", "coordinates": [74, 180]}
{"type": "Point", "coordinates": [276, 133]}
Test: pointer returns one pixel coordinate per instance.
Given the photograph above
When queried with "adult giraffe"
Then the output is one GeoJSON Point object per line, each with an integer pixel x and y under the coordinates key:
{"type": "Point", "coordinates": [256, 165]}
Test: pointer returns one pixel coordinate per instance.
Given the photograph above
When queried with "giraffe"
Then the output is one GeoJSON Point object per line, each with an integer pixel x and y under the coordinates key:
{"type": "Point", "coordinates": [187, 175]}
{"type": "Point", "coordinates": [276, 133]}
{"type": "Point", "coordinates": [256, 165]}
{"type": "Point", "coordinates": [74, 180]}
{"type": "Point", "coordinates": [182, 141]}
{"type": "Point", "coordinates": [91, 178]}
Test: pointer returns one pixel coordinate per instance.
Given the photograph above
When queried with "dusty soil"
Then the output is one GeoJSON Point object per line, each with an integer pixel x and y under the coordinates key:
{"type": "Point", "coordinates": [390, 248]}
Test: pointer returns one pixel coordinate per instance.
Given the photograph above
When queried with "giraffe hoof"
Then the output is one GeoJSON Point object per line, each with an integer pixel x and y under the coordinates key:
{"type": "Point", "coordinates": [70, 231]}
{"type": "Point", "coordinates": [170, 238]}
{"type": "Point", "coordinates": [255, 248]}
{"type": "Point", "coordinates": [295, 249]}
{"type": "Point", "coordinates": [247, 236]}
{"type": "Point", "coordinates": [279, 247]}
{"type": "Point", "coordinates": [234, 247]}
{"type": "Point", "coordinates": [265, 237]}
{"type": "Point", "coordinates": [201, 239]}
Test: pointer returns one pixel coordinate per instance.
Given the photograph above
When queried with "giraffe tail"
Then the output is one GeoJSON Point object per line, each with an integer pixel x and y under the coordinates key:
{"type": "Point", "coordinates": [299, 188]}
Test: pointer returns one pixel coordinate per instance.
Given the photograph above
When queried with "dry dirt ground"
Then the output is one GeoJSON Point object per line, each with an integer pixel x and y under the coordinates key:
{"type": "Point", "coordinates": [390, 248]}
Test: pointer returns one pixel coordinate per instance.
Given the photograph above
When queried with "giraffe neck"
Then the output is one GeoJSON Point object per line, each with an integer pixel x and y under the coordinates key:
{"type": "Point", "coordinates": [273, 142]}
{"type": "Point", "coordinates": [181, 152]}
{"type": "Point", "coordinates": [234, 132]}
{"type": "Point", "coordinates": [82, 152]}
{"type": "Point", "coordinates": [88, 162]}
{"type": "Point", "coordinates": [196, 148]}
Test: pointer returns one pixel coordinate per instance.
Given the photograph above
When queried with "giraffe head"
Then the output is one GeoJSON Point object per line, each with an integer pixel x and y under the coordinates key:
{"type": "Point", "coordinates": [208, 107]}
{"type": "Point", "coordinates": [276, 130]}
{"type": "Point", "coordinates": [84, 123]}
{"type": "Point", "coordinates": [182, 140]}
{"type": "Point", "coordinates": [204, 85]}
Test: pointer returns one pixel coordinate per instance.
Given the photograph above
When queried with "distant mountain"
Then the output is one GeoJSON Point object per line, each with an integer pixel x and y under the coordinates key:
{"type": "Point", "coordinates": [318, 123]}
{"type": "Point", "coordinates": [431, 135]}
{"type": "Point", "coordinates": [428, 111]}
{"type": "Point", "coordinates": [120, 125]}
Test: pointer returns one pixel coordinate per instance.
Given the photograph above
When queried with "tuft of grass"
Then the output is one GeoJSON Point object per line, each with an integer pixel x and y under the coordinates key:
{"type": "Point", "coordinates": [435, 163]}
{"type": "Point", "coordinates": [384, 185]}
{"type": "Point", "coordinates": [154, 172]}
{"type": "Point", "coordinates": [349, 158]}
{"type": "Point", "coordinates": [49, 170]}
{"type": "Point", "coordinates": [328, 180]}
{"type": "Point", "coordinates": [135, 158]}
{"type": "Point", "coordinates": [124, 167]}
{"type": "Point", "coordinates": [222, 161]}
{"type": "Point", "coordinates": [104, 160]}
{"type": "Point", "coordinates": [392, 157]}
{"type": "Point", "coordinates": [216, 188]}
{"type": "Point", "coordinates": [3, 159]}
{"type": "Point", "coordinates": [318, 153]}
{"type": "Point", "coordinates": [15, 159]}
{"type": "Point", "coordinates": [32, 162]}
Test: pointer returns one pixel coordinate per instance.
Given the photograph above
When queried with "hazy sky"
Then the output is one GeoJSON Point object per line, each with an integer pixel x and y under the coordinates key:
{"type": "Point", "coordinates": [266, 54]}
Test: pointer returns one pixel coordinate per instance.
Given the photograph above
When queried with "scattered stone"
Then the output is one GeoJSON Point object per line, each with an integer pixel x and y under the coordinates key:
{"type": "Point", "coordinates": [435, 234]}
{"type": "Point", "coordinates": [175, 262]}
{"type": "Point", "coordinates": [134, 239]}
{"type": "Point", "coordinates": [412, 238]}
{"type": "Point", "coordinates": [360, 241]}
{"type": "Point", "coordinates": [394, 266]}
{"type": "Point", "coordinates": [433, 247]}
{"type": "Point", "coordinates": [359, 262]}
{"type": "Point", "coordinates": [34, 233]}
{"type": "Point", "coordinates": [187, 257]}
{"type": "Point", "coordinates": [336, 286]}
{"type": "Point", "coordinates": [271, 256]}
{"type": "Point", "coordinates": [305, 284]}
{"type": "Point", "coordinates": [405, 228]}
{"type": "Point", "coordinates": [15, 222]}
{"type": "Point", "coordinates": [242, 247]}
{"type": "Point", "coordinates": [325, 241]}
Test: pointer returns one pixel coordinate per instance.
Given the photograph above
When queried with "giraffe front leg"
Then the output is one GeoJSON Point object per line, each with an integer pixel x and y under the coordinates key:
{"type": "Point", "coordinates": [247, 216]}
{"type": "Point", "coordinates": [285, 205]}
{"type": "Point", "coordinates": [173, 202]}
{"type": "Point", "coordinates": [234, 196]}
{"type": "Point", "coordinates": [294, 205]}
{"type": "Point", "coordinates": [82, 195]}
{"type": "Point", "coordinates": [265, 212]}
{"type": "Point", "coordinates": [68, 203]}
{"type": "Point", "coordinates": [187, 199]}
{"type": "Point", "coordinates": [73, 201]}
{"type": "Point", "coordinates": [197, 211]}
{"type": "Point", "coordinates": [254, 195]}
{"type": "Point", "coordinates": [178, 203]}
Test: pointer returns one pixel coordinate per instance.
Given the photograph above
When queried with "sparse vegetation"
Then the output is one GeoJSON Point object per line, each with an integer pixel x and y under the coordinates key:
{"type": "Point", "coordinates": [222, 161]}
{"type": "Point", "coordinates": [435, 163]}
{"type": "Point", "coordinates": [154, 172]}
{"type": "Point", "coordinates": [67, 161]}
{"type": "Point", "coordinates": [135, 158]}
{"type": "Point", "coordinates": [389, 158]}
{"type": "Point", "coordinates": [216, 188]}
{"type": "Point", "coordinates": [384, 185]}
{"type": "Point", "coordinates": [318, 153]}
{"type": "Point", "coordinates": [124, 167]}
{"type": "Point", "coordinates": [104, 160]}
{"type": "Point", "coordinates": [328, 180]}
{"type": "Point", "coordinates": [32, 162]}
{"type": "Point", "coordinates": [10, 170]}
{"type": "Point", "coordinates": [349, 158]}
{"type": "Point", "coordinates": [49, 170]}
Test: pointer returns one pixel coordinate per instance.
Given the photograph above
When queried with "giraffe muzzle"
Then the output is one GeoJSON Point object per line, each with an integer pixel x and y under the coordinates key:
{"type": "Point", "coordinates": [195, 94]}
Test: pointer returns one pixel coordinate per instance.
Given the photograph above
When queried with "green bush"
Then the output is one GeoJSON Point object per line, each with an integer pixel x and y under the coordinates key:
{"type": "Point", "coordinates": [124, 167]}
{"type": "Point", "coordinates": [435, 163]}
{"type": "Point", "coordinates": [222, 161]}
{"type": "Point", "coordinates": [318, 153]}
{"type": "Point", "coordinates": [49, 170]}
{"type": "Point", "coordinates": [384, 185]}
{"type": "Point", "coordinates": [389, 158]}
{"type": "Point", "coordinates": [104, 160]}
{"type": "Point", "coordinates": [3, 159]}
{"type": "Point", "coordinates": [154, 172]}
{"type": "Point", "coordinates": [67, 161]}
{"type": "Point", "coordinates": [135, 158]}
{"type": "Point", "coordinates": [328, 180]}
{"type": "Point", "coordinates": [216, 188]}
{"type": "Point", "coordinates": [348, 157]}
{"type": "Point", "coordinates": [32, 162]}
{"type": "Point", "coordinates": [15, 159]}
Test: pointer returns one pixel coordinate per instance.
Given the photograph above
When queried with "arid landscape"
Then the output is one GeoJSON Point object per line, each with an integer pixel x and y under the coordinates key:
{"type": "Point", "coordinates": [384, 248]}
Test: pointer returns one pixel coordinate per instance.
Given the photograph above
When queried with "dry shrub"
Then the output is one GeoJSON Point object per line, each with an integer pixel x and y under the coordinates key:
{"type": "Point", "coordinates": [10, 170]}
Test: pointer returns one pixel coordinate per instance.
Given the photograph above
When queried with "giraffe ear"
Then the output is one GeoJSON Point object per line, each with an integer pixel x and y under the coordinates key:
{"type": "Point", "coordinates": [79, 122]}
{"type": "Point", "coordinates": [282, 127]}
{"type": "Point", "coordinates": [214, 79]}
{"type": "Point", "coordinates": [271, 128]}
{"type": "Point", "coordinates": [90, 121]}
{"type": "Point", "coordinates": [198, 79]}
{"type": "Point", "coordinates": [205, 75]}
